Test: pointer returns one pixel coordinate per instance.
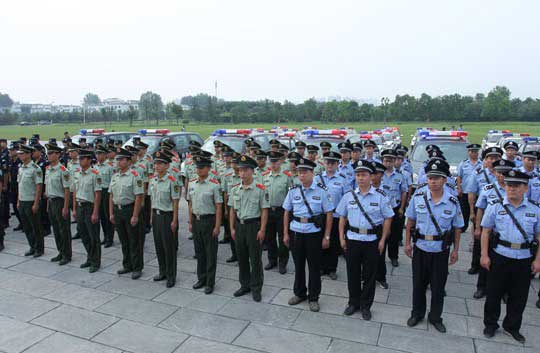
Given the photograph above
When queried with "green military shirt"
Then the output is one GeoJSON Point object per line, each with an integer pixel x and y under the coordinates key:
{"type": "Point", "coordinates": [105, 172]}
{"type": "Point", "coordinates": [204, 195]}
{"type": "Point", "coordinates": [126, 186]}
{"type": "Point", "coordinates": [57, 179]}
{"type": "Point", "coordinates": [277, 186]}
{"type": "Point", "coordinates": [29, 176]}
{"type": "Point", "coordinates": [319, 168]}
{"type": "Point", "coordinates": [146, 164]}
{"type": "Point", "coordinates": [86, 183]}
{"type": "Point", "coordinates": [142, 169]}
{"type": "Point", "coordinates": [230, 181]}
{"type": "Point", "coordinates": [248, 202]}
{"type": "Point", "coordinates": [112, 164]}
{"type": "Point", "coordinates": [163, 191]}
{"type": "Point", "coordinates": [73, 168]}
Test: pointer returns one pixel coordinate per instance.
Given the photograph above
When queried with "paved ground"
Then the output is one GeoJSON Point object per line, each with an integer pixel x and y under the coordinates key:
{"type": "Point", "coordinates": [48, 308]}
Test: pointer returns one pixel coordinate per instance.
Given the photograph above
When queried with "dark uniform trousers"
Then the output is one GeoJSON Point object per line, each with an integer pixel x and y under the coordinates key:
{"type": "Point", "coordinates": [131, 237]}
{"type": "Point", "coordinates": [147, 209]}
{"type": "Point", "coordinates": [396, 235]}
{"type": "Point", "coordinates": [510, 276]}
{"type": "Point", "coordinates": [329, 259]}
{"type": "Point", "coordinates": [249, 252]}
{"type": "Point", "coordinates": [206, 247]}
{"type": "Point", "coordinates": [60, 227]}
{"type": "Point", "coordinates": [165, 243]}
{"type": "Point", "coordinates": [44, 216]}
{"type": "Point", "coordinates": [13, 193]}
{"type": "Point", "coordinates": [78, 227]}
{"type": "Point", "coordinates": [233, 242]}
{"type": "Point", "coordinates": [362, 261]}
{"type": "Point", "coordinates": [307, 247]}
{"type": "Point", "coordinates": [465, 210]}
{"type": "Point", "coordinates": [108, 228]}
{"type": "Point", "coordinates": [4, 209]}
{"type": "Point", "coordinates": [226, 226]}
{"type": "Point", "coordinates": [89, 233]}
{"type": "Point", "coordinates": [481, 281]}
{"type": "Point", "coordinates": [381, 265]}
{"type": "Point", "coordinates": [31, 226]}
{"type": "Point", "coordinates": [277, 251]}
{"type": "Point", "coordinates": [429, 268]}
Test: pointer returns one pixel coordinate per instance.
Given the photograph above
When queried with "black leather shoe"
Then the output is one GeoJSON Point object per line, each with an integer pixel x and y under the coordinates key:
{"type": "Point", "coordinates": [208, 290]}
{"type": "Point", "coordinates": [256, 296]}
{"type": "Point", "coordinates": [283, 269]}
{"type": "Point", "coordinates": [85, 265]}
{"type": "Point", "coordinates": [64, 262]}
{"type": "Point", "coordinates": [76, 236]}
{"type": "Point", "coordinates": [349, 310]}
{"type": "Point", "coordinates": [190, 237]}
{"type": "Point", "coordinates": [108, 245]}
{"type": "Point", "coordinates": [136, 275]}
{"type": "Point", "coordinates": [38, 254]}
{"type": "Point", "coordinates": [93, 269]}
{"type": "Point", "coordinates": [159, 278]}
{"type": "Point", "coordinates": [103, 242]}
{"type": "Point", "coordinates": [29, 252]}
{"type": "Point", "coordinates": [366, 314]}
{"type": "Point", "coordinates": [439, 326]}
{"type": "Point", "coordinates": [516, 335]}
{"type": "Point", "coordinates": [231, 259]}
{"type": "Point", "coordinates": [18, 228]}
{"type": "Point", "coordinates": [123, 271]}
{"type": "Point", "coordinates": [270, 266]}
{"type": "Point", "coordinates": [489, 332]}
{"type": "Point", "coordinates": [56, 258]}
{"type": "Point", "coordinates": [394, 262]}
{"type": "Point", "coordinates": [2, 247]}
{"type": "Point", "coordinates": [383, 284]}
{"type": "Point", "coordinates": [170, 283]}
{"type": "Point", "coordinates": [538, 303]}
{"type": "Point", "coordinates": [198, 285]}
{"type": "Point", "coordinates": [242, 291]}
{"type": "Point", "coordinates": [479, 294]}
{"type": "Point", "coordinates": [473, 270]}
{"type": "Point", "coordinates": [413, 321]}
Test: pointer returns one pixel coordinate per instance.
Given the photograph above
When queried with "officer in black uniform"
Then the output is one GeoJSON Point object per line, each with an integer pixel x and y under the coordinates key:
{"type": "Point", "coordinates": [13, 186]}
{"type": "Point", "coordinates": [39, 157]}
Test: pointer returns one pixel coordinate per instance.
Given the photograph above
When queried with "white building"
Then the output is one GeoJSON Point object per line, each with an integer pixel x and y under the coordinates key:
{"type": "Point", "coordinates": [115, 104]}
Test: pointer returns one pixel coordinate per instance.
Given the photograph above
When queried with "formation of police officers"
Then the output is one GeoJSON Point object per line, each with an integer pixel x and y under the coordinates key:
{"type": "Point", "coordinates": [316, 203]}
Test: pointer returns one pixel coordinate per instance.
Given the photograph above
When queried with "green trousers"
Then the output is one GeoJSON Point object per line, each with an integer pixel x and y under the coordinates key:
{"type": "Point", "coordinates": [89, 233]}
{"type": "Point", "coordinates": [206, 247]}
{"type": "Point", "coordinates": [131, 237]}
{"type": "Point", "coordinates": [249, 253]}
{"type": "Point", "coordinates": [31, 226]}
{"type": "Point", "coordinates": [165, 243]}
{"type": "Point", "coordinates": [106, 225]}
{"type": "Point", "coordinates": [60, 227]}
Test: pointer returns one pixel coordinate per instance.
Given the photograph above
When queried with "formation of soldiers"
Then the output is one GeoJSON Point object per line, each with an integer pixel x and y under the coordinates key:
{"type": "Point", "coordinates": [314, 203]}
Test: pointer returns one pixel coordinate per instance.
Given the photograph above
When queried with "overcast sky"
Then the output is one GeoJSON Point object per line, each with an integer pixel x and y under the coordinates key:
{"type": "Point", "coordinates": [58, 50]}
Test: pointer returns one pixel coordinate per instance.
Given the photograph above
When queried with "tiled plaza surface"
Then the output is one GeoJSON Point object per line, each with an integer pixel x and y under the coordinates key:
{"type": "Point", "coordinates": [49, 308]}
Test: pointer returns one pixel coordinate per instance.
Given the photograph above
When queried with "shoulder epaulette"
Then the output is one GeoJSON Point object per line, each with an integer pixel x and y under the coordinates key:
{"type": "Point", "coordinates": [266, 173]}
{"type": "Point", "coordinates": [229, 174]}
{"type": "Point", "coordinates": [151, 176]}
{"type": "Point", "coordinates": [261, 186]}
{"type": "Point", "coordinates": [493, 202]}
{"type": "Point", "coordinates": [322, 186]}
{"type": "Point", "coordinates": [95, 171]}
{"type": "Point", "coordinates": [214, 181]}
{"type": "Point", "coordinates": [171, 178]}
{"type": "Point", "coordinates": [235, 185]}
{"type": "Point", "coordinates": [380, 191]}
{"type": "Point", "coordinates": [398, 171]}
{"type": "Point", "coordinates": [294, 186]}
{"type": "Point", "coordinates": [149, 159]}
{"type": "Point", "coordinates": [176, 170]}
{"type": "Point", "coordinates": [34, 165]}
{"type": "Point", "coordinates": [421, 185]}
{"type": "Point", "coordinates": [488, 187]}
{"type": "Point", "coordinates": [134, 172]}
{"type": "Point", "coordinates": [62, 168]}
{"type": "Point", "coordinates": [214, 172]}
{"type": "Point", "coordinates": [110, 163]}
{"type": "Point", "coordinates": [342, 175]}
{"type": "Point", "coordinates": [142, 166]}
{"type": "Point", "coordinates": [465, 160]}
{"type": "Point", "coordinates": [454, 199]}
{"type": "Point", "coordinates": [189, 163]}
{"type": "Point", "coordinates": [534, 202]}
{"type": "Point", "coordinates": [287, 173]}
{"type": "Point", "coordinates": [193, 179]}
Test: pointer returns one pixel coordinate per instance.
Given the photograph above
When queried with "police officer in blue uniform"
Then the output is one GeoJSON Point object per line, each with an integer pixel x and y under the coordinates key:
{"type": "Point", "coordinates": [403, 150]}
{"type": "Point", "coordinates": [396, 187]}
{"type": "Point", "coordinates": [511, 149]}
{"type": "Point", "coordinates": [466, 170]}
{"type": "Point", "coordinates": [481, 178]}
{"type": "Point", "coordinates": [308, 210]}
{"type": "Point", "coordinates": [364, 225]}
{"type": "Point", "coordinates": [510, 234]}
{"type": "Point", "coordinates": [345, 165]}
{"type": "Point", "coordinates": [369, 151]}
{"type": "Point", "coordinates": [530, 158]}
{"type": "Point", "coordinates": [337, 185]}
{"type": "Point", "coordinates": [434, 218]}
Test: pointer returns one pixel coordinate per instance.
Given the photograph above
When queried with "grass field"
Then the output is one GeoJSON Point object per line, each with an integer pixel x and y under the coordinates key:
{"type": "Point", "coordinates": [476, 130]}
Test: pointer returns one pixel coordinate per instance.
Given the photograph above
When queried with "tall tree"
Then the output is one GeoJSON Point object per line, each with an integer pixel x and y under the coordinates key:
{"type": "Point", "coordinates": [151, 106]}
{"type": "Point", "coordinates": [497, 105]}
{"type": "Point", "coordinates": [91, 99]}
{"type": "Point", "coordinates": [5, 101]}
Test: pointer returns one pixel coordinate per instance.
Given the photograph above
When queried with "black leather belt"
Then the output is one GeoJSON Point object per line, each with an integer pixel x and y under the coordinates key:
{"type": "Point", "coordinates": [362, 230]}
{"type": "Point", "coordinates": [160, 212]}
{"type": "Point", "coordinates": [429, 237]}
{"type": "Point", "coordinates": [200, 217]}
{"type": "Point", "coordinates": [276, 208]}
{"type": "Point", "coordinates": [248, 220]}
{"type": "Point", "coordinates": [121, 207]}
{"type": "Point", "coordinates": [84, 203]}
{"type": "Point", "coordinates": [514, 246]}
{"type": "Point", "coordinates": [304, 219]}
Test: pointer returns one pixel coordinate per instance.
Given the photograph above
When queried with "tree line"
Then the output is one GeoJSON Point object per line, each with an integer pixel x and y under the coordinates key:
{"type": "Point", "coordinates": [497, 105]}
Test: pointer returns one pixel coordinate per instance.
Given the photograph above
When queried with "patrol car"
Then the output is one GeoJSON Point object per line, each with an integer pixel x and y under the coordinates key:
{"type": "Point", "coordinates": [332, 136]}
{"type": "Point", "coordinates": [493, 137]}
{"type": "Point", "coordinates": [453, 144]}
{"type": "Point", "coordinates": [152, 137]}
{"type": "Point", "coordinates": [391, 137]}
{"type": "Point", "coordinates": [516, 137]}
{"type": "Point", "coordinates": [530, 144]}
{"type": "Point", "coordinates": [235, 138]}
{"type": "Point", "coordinates": [415, 136]}
{"type": "Point", "coordinates": [92, 134]}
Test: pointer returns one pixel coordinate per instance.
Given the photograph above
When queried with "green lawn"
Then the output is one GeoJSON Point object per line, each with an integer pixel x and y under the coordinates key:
{"type": "Point", "coordinates": [476, 130]}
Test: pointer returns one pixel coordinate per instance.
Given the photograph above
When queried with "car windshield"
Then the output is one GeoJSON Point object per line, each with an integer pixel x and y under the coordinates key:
{"type": "Point", "coordinates": [234, 142]}
{"type": "Point", "coordinates": [493, 138]}
{"type": "Point", "coordinates": [531, 147]}
{"type": "Point", "coordinates": [314, 140]}
{"type": "Point", "coordinates": [151, 141]}
{"type": "Point", "coordinates": [517, 140]}
{"type": "Point", "coordinates": [89, 138]}
{"type": "Point", "coordinates": [453, 152]}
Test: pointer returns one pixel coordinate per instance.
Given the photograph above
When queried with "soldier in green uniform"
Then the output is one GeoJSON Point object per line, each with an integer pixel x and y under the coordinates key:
{"type": "Point", "coordinates": [226, 171]}
{"type": "Point", "coordinates": [204, 221]}
{"type": "Point", "coordinates": [86, 201]}
{"type": "Point", "coordinates": [57, 184]}
{"type": "Point", "coordinates": [277, 182]}
{"type": "Point", "coordinates": [229, 181]}
{"type": "Point", "coordinates": [73, 167]}
{"type": "Point", "coordinates": [105, 172]}
{"type": "Point", "coordinates": [30, 181]}
{"type": "Point", "coordinates": [248, 216]}
{"type": "Point", "coordinates": [313, 153]}
{"type": "Point", "coordinates": [126, 194]}
{"type": "Point", "coordinates": [293, 159]}
{"type": "Point", "coordinates": [146, 163]}
{"type": "Point", "coordinates": [164, 189]}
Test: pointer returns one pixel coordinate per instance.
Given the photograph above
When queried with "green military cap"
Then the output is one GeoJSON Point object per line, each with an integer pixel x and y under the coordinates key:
{"type": "Point", "coordinates": [226, 150]}
{"type": "Point", "coordinates": [325, 144]}
{"type": "Point", "coordinates": [260, 154]}
{"type": "Point", "coordinates": [249, 141]}
{"type": "Point", "coordinates": [294, 156]}
{"type": "Point", "coordinates": [246, 162]}
{"type": "Point", "coordinates": [218, 143]}
{"type": "Point", "coordinates": [101, 149]}
{"type": "Point", "coordinates": [274, 142]}
{"type": "Point", "coordinates": [141, 145]}
{"type": "Point", "coordinates": [123, 153]}
{"type": "Point", "coordinates": [86, 153]}
{"type": "Point", "coordinates": [73, 147]}
{"type": "Point", "coordinates": [25, 149]}
{"type": "Point", "coordinates": [283, 147]}
{"type": "Point", "coordinates": [167, 152]}
{"type": "Point", "coordinates": [235, 156]}
{"type": "Point", "coordinates": [331, 155]}
{"type": "Point", "coordinates": [312, 148]}
{"type": "Point", "coordinates": [205, 154]}
{"type": "Point", "coordinates": [192, 148]}
{"type": "Point", "coordinates": [195, 143]}
{"type": "Point", "coordinates": [53, 147]}
{"type": "Point", "coordinates": [300, 144]}
{"type": "Point", "coordinates": [160, 156]}
{"type": "Point", "coordinates": [132, 149]}
{"type": "Point", "coordinates": [201, 162]}
{"type": "Point", "coordinates": [254, 145]}
{"type": "Point", "coordinates": [275, 156]}
{"type": "Point", "coordinates": [167, 143]}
